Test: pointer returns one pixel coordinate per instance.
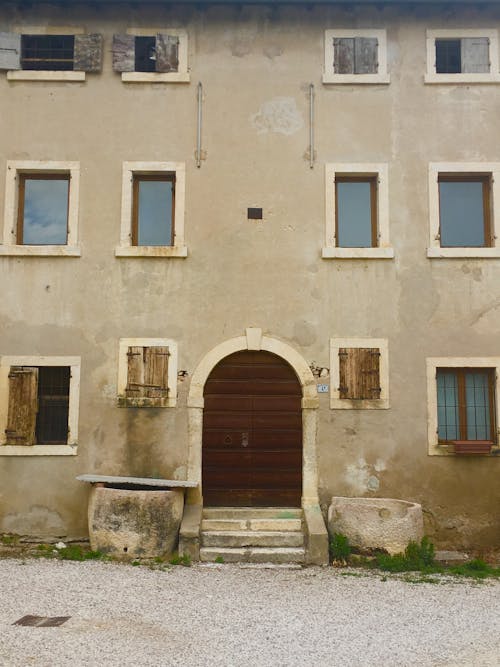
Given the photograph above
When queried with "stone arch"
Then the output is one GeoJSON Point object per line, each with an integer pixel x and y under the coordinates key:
{"type": "Point", "coordinates": [255, 340]}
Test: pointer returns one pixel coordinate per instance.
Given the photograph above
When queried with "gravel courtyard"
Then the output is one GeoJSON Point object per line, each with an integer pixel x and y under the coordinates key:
{"type": "Point", "coordinates": [236, 615]}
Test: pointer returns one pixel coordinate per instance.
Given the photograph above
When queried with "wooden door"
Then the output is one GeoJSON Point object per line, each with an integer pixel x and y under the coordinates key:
{"type": "Point", "coordinates": [252, 433]}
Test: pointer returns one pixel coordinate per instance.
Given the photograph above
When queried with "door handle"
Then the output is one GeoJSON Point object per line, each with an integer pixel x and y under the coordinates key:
{"type": "Point", "coordinates": [244, 439]}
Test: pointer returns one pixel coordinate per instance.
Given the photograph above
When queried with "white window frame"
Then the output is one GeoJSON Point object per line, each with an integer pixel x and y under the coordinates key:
{"type": "Point", "coordinates": [130, 169]}
{"type": "Point", "coordinates": [435, 168]}
{"type": "Point", "coordinates": [125, 343]}
{"type": "Point", "coordinates": [338, 403]}
{"type": "Point", "coordinates": [181, 76]}
{"type": "Point", "coordinates": [431, 76]}
{"type": "Point", "coordinates": [384, 250]}
{"type": "Point", "coordinates": [433, 364]}
{"type": "Point", "coordinates": [46, 75]}
{"type": "Point", "coordinates": [9, 245]}
{"type": "Point", "coordinates": [329, 75]}
{"type": "Point", "coordinates": [69, 449]}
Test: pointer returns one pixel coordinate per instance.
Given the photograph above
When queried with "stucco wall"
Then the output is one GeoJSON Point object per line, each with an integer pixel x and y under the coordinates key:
{"type": "Point", "coordinates": [256, 65]}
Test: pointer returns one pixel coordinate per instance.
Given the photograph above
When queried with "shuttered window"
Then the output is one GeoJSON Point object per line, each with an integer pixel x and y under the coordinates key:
{"type": "Point", "coordinates": [468, 55]}
{"type": "Point", "coordinates": [147, 372]}
{"type": "Point", "coordinates": [155, 53]}
{"type": "Point", "coordinates": [82, 53]}
{"type": "Point", "coordinates": [359, 373]}
{"type": "Point", "coordinates": [355, 55]}
{"type": "Point", "coordinates": [23, 405]}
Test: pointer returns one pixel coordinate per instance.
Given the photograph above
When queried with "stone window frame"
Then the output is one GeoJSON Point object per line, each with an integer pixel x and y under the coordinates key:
{"type": "Point", "coordinates": [181, 76]}
{"type": "Point", "coordinates": [434, 249]}
{"type": "Point", "coordinates": [337, 403]}
{"type": "Point", "coordinates": [9, 245]}
{"type": "Point", "coordinates": [381, 170]}
{"type": "Point", "coordinates": [432, 364]}
{"type": "Point", "coordinates": [47, 75]}
{"type": "Point", "coordinates": [129, 170]}
{"type": "Point", "coordinates": [432, 77]}
{"type": "Point", "coordinates": [381, 77]}
{"type": "Point", "coordinates": [71, 447]}
{"type": "Point", "coordinates": [124, 344]}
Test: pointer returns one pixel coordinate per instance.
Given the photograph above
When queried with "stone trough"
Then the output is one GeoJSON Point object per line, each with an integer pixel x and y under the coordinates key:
{"type": "Point", "coordinates": [376, 523]}
{"type": "Point", "coordinates": [135, 517]}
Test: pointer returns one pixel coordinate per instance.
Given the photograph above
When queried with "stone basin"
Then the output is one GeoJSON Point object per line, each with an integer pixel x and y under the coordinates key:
{"type": "Point", "coordinates": [376, 523]}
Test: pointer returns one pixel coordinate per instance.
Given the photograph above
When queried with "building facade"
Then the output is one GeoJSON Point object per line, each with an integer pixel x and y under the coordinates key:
{"type": "Point", "coordinates": [310, 187]}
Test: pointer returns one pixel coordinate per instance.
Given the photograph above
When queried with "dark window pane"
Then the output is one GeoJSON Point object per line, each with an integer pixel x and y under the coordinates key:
{"type": "Point", "coordinates": [145, 54]}
{"type": "Point", "coordinates": [155, 213]}
{"type": "Point", "coordinates": [461, 214]}
{"type": "Point", "coordinates": [477, 406]}
{"type": "Point", "coordinates": [45, 220]}
{"type": "Point", "coordinates": [448, 56]}
{"type": "Point", "coordinates": [47, 52]}
{"type": "Point", "coordinates": [354, 214]}
{"type": "Point", "coordinates": [53, 404]}
{"type": "Point", "coordinates": [447, 404]}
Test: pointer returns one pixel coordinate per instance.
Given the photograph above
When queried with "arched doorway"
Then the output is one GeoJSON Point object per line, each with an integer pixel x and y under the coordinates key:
{"type": "Point", "coordinates": [252, 432]}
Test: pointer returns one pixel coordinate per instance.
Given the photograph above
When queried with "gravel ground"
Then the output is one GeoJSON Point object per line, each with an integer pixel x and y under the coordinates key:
{"type": "Point", "coordinates": [240, 616]}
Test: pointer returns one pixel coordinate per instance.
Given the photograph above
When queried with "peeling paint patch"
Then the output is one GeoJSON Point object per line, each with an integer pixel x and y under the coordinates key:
{"type": "Point", "coordinates": [279, 115]}
{"type": "Point", "coordinates": [361, 478]}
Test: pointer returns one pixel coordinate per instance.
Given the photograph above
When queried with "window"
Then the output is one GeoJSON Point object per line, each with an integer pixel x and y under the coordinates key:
{"type": "Point", "coordinates": [462, 201]}
{"type": "Point", "coordinates": [147, 373]}
{"type": "Point", "coordinates": [355, 56]}
{"type": "Point", "coordinates": [469, 56]}
{"type": "Point", "coordinates": [50, 56]}
{"type": "Point", "coordinates": [359, 373]}
{"type": "Point", "coordinates": [463, 405]}
{"type": "Point", "coordinates": [357, 212]}
{"type": "Point", "coordinates": [39, 405]}
{"type": "Point", "coordinates": [148, 55]}
{"type": "Point", "coordinates": [41, 209]}
{"type": "Point", "coordinates": [152, 210]}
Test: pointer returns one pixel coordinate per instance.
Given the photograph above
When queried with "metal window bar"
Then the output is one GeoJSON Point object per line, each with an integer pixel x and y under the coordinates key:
{"type": "Point", "coordinates": [47, 52]}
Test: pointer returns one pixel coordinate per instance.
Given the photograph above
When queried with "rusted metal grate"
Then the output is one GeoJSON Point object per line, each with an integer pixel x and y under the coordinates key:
{"type": "Point", "coordinates": [42, 621]}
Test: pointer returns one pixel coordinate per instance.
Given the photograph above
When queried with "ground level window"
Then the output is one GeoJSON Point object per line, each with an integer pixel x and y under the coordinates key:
{"type": "Point", "coordinates": [465, 403]}
{"type": "Point", "coordinates": [153, 210]}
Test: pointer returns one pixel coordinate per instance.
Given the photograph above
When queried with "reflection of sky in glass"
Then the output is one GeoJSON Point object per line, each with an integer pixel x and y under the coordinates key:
{"type": "Point", "coordinates": [354, 226]}
{"type": "Point", "coordinates": [45, 211]}
{"type": "Point", "coordinates": [155, 213]}
{"type": "Point", "coordinates": [461, 214]}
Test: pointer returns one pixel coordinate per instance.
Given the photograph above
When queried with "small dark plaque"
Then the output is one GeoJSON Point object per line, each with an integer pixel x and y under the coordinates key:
{"type": "Point", "coordinates": [254, 213]}
{"type": "Point", "coordinates": [42, 621]}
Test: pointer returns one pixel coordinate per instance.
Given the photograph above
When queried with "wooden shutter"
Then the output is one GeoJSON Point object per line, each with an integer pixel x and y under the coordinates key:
{"type": "Point", "coordinates": [365, 55]}
{"type": "Point", "coordinates": [475, 54]}
{"type": "Point", "coordinates": [10, 50]}
{"type": "Point", "coordinates": [167, 53]}
{"type": "Point", "coordinates": [359, 373]}
{"type": "Point", "coordinates": [343, 55]}
{"type": "Point", "coordinates": [147, 372]}
{"type": "Point", "coordinates": [123, 53]}
{"type": "Point", "coordinates": [88, 53]}
{"type": "Point", "coordinates": [23, 405]}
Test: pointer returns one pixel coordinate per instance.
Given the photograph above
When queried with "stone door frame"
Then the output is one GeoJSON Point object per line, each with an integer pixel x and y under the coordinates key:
{"type": "Point", "coordinates": [255, 340]}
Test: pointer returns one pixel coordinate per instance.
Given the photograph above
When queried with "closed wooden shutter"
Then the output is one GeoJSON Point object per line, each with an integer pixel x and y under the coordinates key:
{"type": "Point", "coordinates": [147, 372]}
{"type": "Point", "coordinates": [23, 405]}
{"type": "Point", "coordinates": [87, 53]}
{"type": "Point", "coordinates": [167, 53]}
{"type": "Point", "coordinates": [343, 55]}
{"type": "Point", "coordinates": [123, 53]}
{"type": "Point", "coordinates": [365, 55]}
{"type": "Point", "coordinates": [359, 373]}
{"type": "Point", "coordinates": [475, 54]}
{"type": "Point", "coordinates": [10, 50]}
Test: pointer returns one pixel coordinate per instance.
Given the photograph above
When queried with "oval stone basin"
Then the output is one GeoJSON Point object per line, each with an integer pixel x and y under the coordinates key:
{"type": "Point", "coordinates": [376, 523]}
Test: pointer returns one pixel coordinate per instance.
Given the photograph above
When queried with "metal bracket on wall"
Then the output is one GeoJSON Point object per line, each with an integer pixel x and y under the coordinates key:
{"type": "Point", "coordinates": [311, 126]}
{"type": "Point", "coordinates": [199, 125]}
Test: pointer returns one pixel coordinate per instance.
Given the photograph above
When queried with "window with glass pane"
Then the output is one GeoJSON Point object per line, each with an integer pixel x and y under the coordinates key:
{"type": "Point", "coordinates": [43, 209]}
{"type": "Point", "coordinates": [465, 404]}
{"type": "Point", "coordinates": [464, 211]}
{"type": "Point", "coordinates": [153, 210]}
{"type": "Point", "coordinates": [356, 211]}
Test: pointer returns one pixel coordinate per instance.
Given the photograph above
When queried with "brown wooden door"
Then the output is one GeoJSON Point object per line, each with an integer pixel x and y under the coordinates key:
{"type": "Point", "coordinates": [252, 433]}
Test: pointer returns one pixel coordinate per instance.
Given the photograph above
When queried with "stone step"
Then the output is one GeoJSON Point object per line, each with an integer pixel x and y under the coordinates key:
{"type": "Point", "coordinates": [252, 555]}
{"type": "Point", "coordinates": [251, 538]}
{"type": "Point", "coordinates": [252, 513]}
{"type": "Point", "coordinates": [252, 524]}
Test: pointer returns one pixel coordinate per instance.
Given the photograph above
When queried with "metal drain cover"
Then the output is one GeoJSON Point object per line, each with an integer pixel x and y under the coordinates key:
{"type": "Point", "coordinates": [42, 621]}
